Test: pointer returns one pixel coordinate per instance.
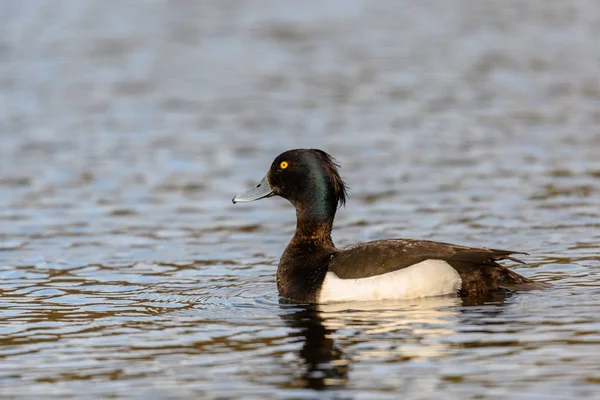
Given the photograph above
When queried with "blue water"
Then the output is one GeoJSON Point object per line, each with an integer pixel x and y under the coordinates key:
{"type": "Point", "coordinates": [125, 271]}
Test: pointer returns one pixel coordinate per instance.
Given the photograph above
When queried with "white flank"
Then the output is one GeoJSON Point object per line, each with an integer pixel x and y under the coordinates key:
{"type": "Point", "coordinates": [427, 278]}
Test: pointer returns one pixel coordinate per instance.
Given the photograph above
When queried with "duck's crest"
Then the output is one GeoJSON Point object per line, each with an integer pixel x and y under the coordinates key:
{"type": "Point", "coordinates": [340, 189]}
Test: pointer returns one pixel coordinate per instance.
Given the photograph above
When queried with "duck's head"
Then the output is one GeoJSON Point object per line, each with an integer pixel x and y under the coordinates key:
{"type": "Point", "coordinates": [308, 178]}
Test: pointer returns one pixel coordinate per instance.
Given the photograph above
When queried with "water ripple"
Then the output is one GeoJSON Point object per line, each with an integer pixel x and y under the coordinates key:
{"type": "Point", "coordinates": [126, 272]}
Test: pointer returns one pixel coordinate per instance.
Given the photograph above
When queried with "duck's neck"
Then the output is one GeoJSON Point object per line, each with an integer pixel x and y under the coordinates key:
{"type": "Point", "coordinates": [314, 224]}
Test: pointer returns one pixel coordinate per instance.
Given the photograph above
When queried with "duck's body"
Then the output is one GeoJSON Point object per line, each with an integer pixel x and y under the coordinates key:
{"type": "Point", "coordinates": [390, 269]}
{"type": "Point", "coordinates": [313, 270]}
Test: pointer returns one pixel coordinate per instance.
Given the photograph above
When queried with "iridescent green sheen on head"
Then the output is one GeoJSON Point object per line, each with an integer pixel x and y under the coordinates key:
{"type": "Point", "coordinates": [329, 191]}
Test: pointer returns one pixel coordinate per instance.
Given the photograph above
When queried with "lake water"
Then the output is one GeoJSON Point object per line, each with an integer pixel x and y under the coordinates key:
{"type": "Point", "coordinates": [127, 127]}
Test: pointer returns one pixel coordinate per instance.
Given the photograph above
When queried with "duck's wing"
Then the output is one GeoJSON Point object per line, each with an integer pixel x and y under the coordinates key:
{"type": "Point", "coordinates": [477, 267]}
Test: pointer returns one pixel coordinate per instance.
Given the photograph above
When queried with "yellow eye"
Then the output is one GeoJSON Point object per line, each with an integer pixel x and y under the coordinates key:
{"type": "Point", "coordinates": [283, 165]}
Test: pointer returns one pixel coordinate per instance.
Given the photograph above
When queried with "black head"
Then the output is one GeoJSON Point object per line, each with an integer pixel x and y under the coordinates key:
{"type": "Point", "coordinates": [308, 178]}
{"type": "Point", "coordinates": [305, 176]}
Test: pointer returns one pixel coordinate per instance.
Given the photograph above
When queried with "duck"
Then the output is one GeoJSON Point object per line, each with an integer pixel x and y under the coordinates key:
{"type": "Point", "coordinates": [313, 270]}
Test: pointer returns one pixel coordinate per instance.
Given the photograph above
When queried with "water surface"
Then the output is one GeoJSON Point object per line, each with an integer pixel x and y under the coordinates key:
{"type": "Point", "coordinates": [125, 271]}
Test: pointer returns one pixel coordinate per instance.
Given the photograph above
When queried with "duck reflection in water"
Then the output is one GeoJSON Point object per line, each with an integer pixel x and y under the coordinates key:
{"type": "Point", "coordinates": [326, 365]}
{"type": "Point", "coordinates": [335, 336]}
